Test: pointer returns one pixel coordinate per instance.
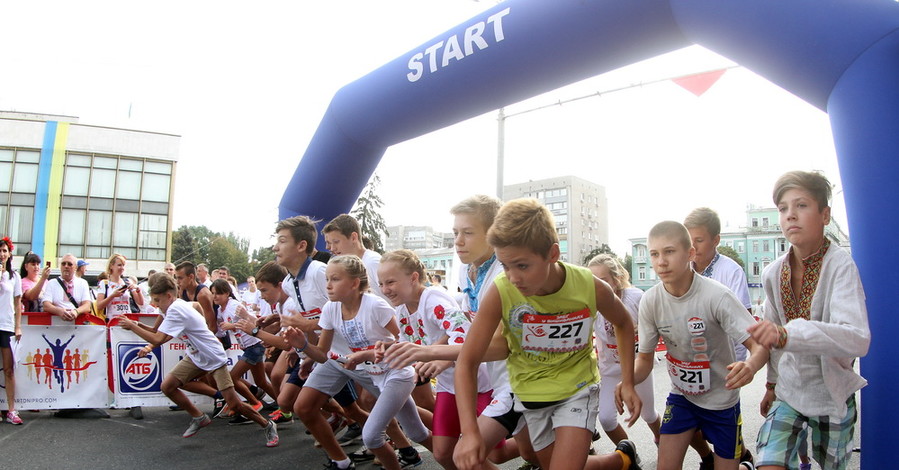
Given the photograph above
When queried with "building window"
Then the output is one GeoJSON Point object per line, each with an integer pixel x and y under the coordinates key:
{"type": "Point", "coordinates": [77, 181]}
{"type": "Point", "coordinates": [755, 222]}
{"type": "Point", "coordinates": [156, 187]}
{"type": "Point", "coordinates": [641, 273]}
{"type": "Point", "coordinates": [783, 245]}
{"type": "Point", "coordinates": [764, 221]}
{"type": "Point", "coordinates": [755, 268]}
{"type": "Point", "coordinates": [153, 229]}
{"type": "Point", "coordinates": [25, 178]}
{"type": "Point", "coordinates": [755, 246]}
{"type": "Point", "coordinates": [71, 227]}
{"type": "Point", "coordinates": [128, 185]}
{"type": "Point", "coordinates": [740, 247]}
{"type": "Point", "coordinates": [102, 183]}
{"type": "Point", "coordinates": [766, 245]}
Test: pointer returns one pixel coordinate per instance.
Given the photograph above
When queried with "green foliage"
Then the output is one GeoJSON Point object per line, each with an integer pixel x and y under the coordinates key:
{"type": "Point", "coordinates": [628, 263]}
{"type": "Point", "coordinates": [732, 254]}
{"type": "Point", "coordinates": [598, 251]}
{"type": "Point", "coordinates": [198, 244]}
{"type": "Point", "coordinates": [366, 212]}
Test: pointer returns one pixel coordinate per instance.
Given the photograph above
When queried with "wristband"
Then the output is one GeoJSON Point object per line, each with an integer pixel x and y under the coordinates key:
{"type": "Point", "coordinates": [299, 350]}
{"type": "Point", "coordinates": [770, 385]}
{"type": "Point", "coordinates": [782, 339]}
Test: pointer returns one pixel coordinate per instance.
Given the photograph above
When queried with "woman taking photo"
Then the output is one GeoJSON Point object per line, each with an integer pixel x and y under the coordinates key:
{"type": "Point", "coordinates": [114, 294]}
{"type": "Point", "coordinates": [33, 279]}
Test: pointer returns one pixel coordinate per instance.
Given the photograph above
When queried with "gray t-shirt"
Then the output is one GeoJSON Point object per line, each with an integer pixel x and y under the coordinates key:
{"type": "Point", "coordinates": [697, 328]}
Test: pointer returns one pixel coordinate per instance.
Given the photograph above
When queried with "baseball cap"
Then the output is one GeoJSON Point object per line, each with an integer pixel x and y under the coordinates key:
{"type": "Point", "coordinates": [82, 262]}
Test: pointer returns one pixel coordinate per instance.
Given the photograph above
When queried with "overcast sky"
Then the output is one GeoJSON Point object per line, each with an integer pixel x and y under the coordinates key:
{"type": "Point", "coordinates": [246, 84]}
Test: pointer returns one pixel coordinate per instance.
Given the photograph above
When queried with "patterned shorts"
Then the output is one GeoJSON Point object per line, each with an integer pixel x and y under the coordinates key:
{"type": "Point", "coordinates": [784, 429]}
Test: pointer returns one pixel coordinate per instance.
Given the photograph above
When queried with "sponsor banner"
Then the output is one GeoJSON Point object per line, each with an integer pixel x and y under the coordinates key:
{"type": "Point", "coordinates": [60, 367]}
{"type": "Point", "coordinates": [138, 381]}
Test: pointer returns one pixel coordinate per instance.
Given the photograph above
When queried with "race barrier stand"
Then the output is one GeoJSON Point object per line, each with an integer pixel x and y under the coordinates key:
{"type": "Point", "coordinates": [91, 364]}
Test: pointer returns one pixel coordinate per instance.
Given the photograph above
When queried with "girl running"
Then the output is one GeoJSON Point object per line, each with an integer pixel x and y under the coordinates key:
{"type": "Point", "coordinates": [226, 306]}
{"type": "Point", "coordinates": [353, 323]}
{"type": "Point", "coordinates": [432, 328]}
{"type": "Point", "coordinates": [10, 323]}
{"type": "Point", "coordinates": [608, 269]}
{"type": "Point", "coordinates": [114, 294]}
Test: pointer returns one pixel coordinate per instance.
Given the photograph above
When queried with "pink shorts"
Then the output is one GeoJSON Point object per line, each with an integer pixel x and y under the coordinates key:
{"type": "Point", "coordinates": [446, 414]}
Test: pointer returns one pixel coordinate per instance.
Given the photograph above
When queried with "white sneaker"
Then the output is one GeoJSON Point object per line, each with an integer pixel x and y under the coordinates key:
{"type": "Point", "coordinates": [196, 424]}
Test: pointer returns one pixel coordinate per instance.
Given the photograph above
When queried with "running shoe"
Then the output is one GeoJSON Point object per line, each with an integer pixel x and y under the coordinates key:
{"type": "Point", "coordinates": [528, 466]}
{"type": "Point", "coordinates": [281, 418]}
{"type": "Point", "coordinates": [628, 448]}
{"type": "Point", "coordinates": [257, 406]}
{"type": "Point", "coordinates": [271, 434]}
{"type": "Point", "coordinates": [218, 406]}
{"type": "Point", "coordinates": [750, 466]}
{"type": "Point", "coordinates": [352, 435]}
{"type": "Point", "coordinates": [196, 424]}
{"type": "Point", "coordinates": [332, 465]}
{"type": "Point", "coordinates": [337, 423]}
{"type": "Point", "coordinates": [409, 461]}
{"type": "Point", "coordinates": [804, 466]}
{"type": "Point", "coordinates": [12, 417]}
{"type": "Point", "coordinates": [239, 419]}
{"type": "Point", "coordinates": [361, 455]}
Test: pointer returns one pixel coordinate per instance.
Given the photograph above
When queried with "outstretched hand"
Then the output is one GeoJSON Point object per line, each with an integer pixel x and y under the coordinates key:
{"type": "Point", "coordinates": [627, 397]}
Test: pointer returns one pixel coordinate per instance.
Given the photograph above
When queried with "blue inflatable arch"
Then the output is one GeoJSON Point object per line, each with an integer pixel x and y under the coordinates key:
{"type": "Point", "coordinates": [841, 56]}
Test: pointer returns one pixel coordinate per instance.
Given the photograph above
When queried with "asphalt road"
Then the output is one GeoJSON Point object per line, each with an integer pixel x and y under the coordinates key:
{"type": "Point", "coordinates": [48, 442]}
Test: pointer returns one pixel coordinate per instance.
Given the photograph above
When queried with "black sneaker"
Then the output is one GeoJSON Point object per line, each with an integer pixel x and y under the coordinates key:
{"type": "Point", "coordinates": [332, 465]}
{"type": "Point", "coordinates": [628, 448]}
{"type": "Point", "coordinates": [361, 455]}
{"type": "Point", "coordinates": [352, 434]}
{"type": "Point", "coordinates": [239, 419]}
{"type": "Point", "coordinates": [410, 460]}
{"type": "Point", "coordinates": [217, 406]}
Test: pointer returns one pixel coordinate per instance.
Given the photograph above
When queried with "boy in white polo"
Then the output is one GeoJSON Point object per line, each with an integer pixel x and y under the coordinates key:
{"type": "Point", "coordinates": [205, 354]}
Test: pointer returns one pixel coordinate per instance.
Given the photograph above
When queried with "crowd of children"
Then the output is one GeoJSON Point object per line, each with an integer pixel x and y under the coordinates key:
{"type": "Point", "coordinates": [528, 355]}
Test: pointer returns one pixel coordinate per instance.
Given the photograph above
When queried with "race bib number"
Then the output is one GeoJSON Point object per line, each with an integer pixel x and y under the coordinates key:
{"type": "Point", "coordinates": [690, 378]}
{"type": "Point", "coordinates": [120, 307]}
{"type": "Point", "coordinates": [312, 314]}
{"type": "Point", "coordinates": [368, 366]}
{"type": "Point", "coordinates": [556, 333]}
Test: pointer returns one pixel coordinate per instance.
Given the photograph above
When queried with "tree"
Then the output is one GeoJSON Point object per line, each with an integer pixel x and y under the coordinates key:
{"type": "Point", "coordinates": [732, 254]}
{"type": "Point", "coordinates": [191, 243]}
{"type": "Point", "coordinates": [598, 251]}
{"type": "Point", "coordinates": [366, 212]}
{"type": "Point", "coordinates": [628, 264]}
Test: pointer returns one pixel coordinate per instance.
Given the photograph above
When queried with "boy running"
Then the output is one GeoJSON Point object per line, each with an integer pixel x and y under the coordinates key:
{"type": "Point", "coordinates": [205, 355]}
{"type": "Point", "coordinates": [547, 309]}
{"type": "Point", "coordinates": [698, 318]}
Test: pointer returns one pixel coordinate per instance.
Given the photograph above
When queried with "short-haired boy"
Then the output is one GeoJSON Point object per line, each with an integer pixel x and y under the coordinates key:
{"type": "Point", "coordinates": [343, 236]}
{"type": "Point", "coordinates": [698, 318]}
{"type": "Point", "coordinates": [704, 226]}
{"type": "Point", "coordinates": [816, 326]}
{"type": "Point", "coordinates": [205, 355]}
{"type": "Point", "coordinates": [547, 309]}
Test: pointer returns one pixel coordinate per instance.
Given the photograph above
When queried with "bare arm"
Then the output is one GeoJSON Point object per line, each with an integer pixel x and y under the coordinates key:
{"type": "Point", "coordinates": [205, 301]}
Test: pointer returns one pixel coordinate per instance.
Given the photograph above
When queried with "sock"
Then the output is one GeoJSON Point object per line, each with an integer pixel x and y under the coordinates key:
{"type": "Point", "coordinates": [217, 395]}
{"type": "Point", "coordinates": [625, 460]}
{"type": "Point", "coordinates": [254, 389]}
{"type": "Point", "coordinates": [408, 451]}
{"type": "Point", "coordinates": [343, 463]}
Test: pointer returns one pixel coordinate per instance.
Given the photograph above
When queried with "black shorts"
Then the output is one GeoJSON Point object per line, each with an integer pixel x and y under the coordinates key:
{"type": "Point", "coordinates": [5, 336]}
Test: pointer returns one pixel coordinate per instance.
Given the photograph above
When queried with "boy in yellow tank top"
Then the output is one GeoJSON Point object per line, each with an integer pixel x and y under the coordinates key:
{"type": "Point", "coordinates": [547, 309]}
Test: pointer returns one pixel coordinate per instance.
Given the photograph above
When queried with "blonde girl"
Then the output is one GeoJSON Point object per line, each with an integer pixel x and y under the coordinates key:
{"type": "Point", "coordinates": [432, 330]}
{"type": "Point", "coordinates": [114, 294]}
{"type": "Point", "coordinates": [353, 323]}
{"type": "Point", "coordinates": [608, 269]}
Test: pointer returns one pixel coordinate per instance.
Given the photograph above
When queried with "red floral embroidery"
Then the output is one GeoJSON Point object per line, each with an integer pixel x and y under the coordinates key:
{"type": "Point", "coordinates": [446, 325]}
{"type": "Point", "coordinates": [404, 321]}
{"type": "Point", "coordinates": [439, 312]}
{"type": "Point", "coordinates": [459, 340]}
{"type": "Point", "coordinates": [409, 331]}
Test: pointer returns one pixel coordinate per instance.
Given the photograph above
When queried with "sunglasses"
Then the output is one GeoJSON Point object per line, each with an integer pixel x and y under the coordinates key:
{"type": "Point", "coordinates": [66, 263]}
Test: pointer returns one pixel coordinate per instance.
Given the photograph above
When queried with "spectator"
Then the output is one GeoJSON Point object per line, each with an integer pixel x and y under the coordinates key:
{"type": "Point", "coordinates": [32, 283]}
{"type": "Point", "coordinates": [69, 295]}
{"type": "Point", "coordinates": [10, 323]}
{"type": "Point", "coordinates": [203, 275]}
{"type": "Point", "coordinates": [81, 268]}
{"type": "Point", "coordinates": [115, 293]}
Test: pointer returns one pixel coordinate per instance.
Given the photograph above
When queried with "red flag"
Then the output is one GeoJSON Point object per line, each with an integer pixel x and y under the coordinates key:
{"type": "Point", "coordinates": [699, 83]}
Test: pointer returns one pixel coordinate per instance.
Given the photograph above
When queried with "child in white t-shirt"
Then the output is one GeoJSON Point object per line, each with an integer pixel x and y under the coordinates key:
{"type": "Point", "coordinates": [205, 355]}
